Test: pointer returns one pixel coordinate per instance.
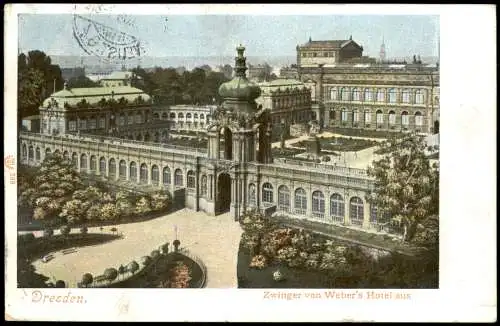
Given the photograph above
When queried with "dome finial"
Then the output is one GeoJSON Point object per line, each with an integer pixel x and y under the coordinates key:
{"type": "Point", "coordinates": [240, 62]}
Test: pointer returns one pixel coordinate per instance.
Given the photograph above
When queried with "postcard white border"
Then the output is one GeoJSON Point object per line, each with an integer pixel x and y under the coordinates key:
{"type": "Point", "coordinates": [468, 193]}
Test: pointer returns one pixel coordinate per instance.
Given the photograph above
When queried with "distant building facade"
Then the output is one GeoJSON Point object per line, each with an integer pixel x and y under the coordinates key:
{"type": "Point", "coordinates": [383, 96]}
{"type": "Point", "coordinates": [185, 117]}
{"type": "Point", "coordinates": [31, 123]}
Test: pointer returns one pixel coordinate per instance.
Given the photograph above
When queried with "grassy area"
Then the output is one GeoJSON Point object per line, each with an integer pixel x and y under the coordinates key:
{"type": "Point", "coordinates": [364, 132]}
{"type": "Point", "coordinates": [188, 142]}
{"type": "Point", "coordinates": [341, 144]}
{"type": "Point", "coordinates": [343, 233]}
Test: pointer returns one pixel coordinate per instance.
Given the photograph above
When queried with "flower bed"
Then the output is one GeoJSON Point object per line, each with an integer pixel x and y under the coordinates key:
{"type": "Point", "coordinates": [311, 260]}
{"type": "Point", "coordinates": [342, 144]}
{"type": "Point", "coordinates": [364, 132]}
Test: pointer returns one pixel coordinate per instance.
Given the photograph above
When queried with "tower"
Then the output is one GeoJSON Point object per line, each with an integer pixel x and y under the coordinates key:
{"type": "Point", "coordinates": [382, 51]}
{"type": "Point", "coordinates": [240, 133]}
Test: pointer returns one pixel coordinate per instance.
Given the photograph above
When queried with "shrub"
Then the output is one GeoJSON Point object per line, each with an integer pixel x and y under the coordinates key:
{"type": "Point", "coordinates": [65, 230]}
{"type": "Point", "coordinates": [27, 237]}
{"type": "Point", "coordinates": [87, 279]}
{"type": "Point", "coordinates": [84, 230]}
{"type": "Point", "coordinates": [111, 274]}
{"type": "Point", "coordinates": [48, 232]}
{"type": "Point", "coordinates": [145, 260]}
{"type": "Point", "coordinates": [133, 267]}
{"type": "Point", "coordinates": [60, 284]}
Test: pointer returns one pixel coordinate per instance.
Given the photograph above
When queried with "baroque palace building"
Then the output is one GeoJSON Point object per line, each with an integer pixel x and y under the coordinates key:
{"type": "Point", "coordinates": [355, 92]}
{"type": "Point", "coordinates": [236, 172]}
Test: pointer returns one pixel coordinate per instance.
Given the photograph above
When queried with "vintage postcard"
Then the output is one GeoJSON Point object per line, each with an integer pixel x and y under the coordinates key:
{"type": "Point", "coordinates": [248, 163]}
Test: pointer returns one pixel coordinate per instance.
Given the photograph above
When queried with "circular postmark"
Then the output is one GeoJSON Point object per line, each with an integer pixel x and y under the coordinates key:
{"type": "Point", "coordinates": [107, 38]}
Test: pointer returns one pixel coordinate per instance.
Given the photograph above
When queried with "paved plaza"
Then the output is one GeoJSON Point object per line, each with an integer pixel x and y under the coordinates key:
{"type": "Point", "coordinates": [214, 239]}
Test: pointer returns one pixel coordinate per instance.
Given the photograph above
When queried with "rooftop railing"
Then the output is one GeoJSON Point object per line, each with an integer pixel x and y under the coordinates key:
{"type": "Point", "coordinates": [324, 167]}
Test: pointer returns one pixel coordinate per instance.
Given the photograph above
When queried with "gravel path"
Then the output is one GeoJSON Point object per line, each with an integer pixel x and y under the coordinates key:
{"type": "Point", "coordinates": [214, 239]}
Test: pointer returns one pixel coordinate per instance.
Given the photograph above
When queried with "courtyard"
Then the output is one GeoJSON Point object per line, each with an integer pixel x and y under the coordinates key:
{"type": "Point", "coordinates": [214, 239]}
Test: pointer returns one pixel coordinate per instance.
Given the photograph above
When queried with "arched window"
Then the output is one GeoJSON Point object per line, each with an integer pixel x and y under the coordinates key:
{"type": "Point", "coordinates": [191, 180]}
{"type": "Point", "coordinates": [355, 94]}
{"type": "Point", "coordinates": [419, 119]}
{"type": "Point", "coordinates": [380, 117]}
{"type": "Point", "coordinates": [138, 117]}
{"type": "Point", "coordinates": [164, 116]}
{"type": "Point", "coordinates": [155, 175]}
{"type": "Point", "coordinates": [267, 193]}
{"type": "Point", "coordinates": [31, 153]}
{"type": "Point", "coordinates": [166, 176]}
{"type": "Point", "coordinates": [332, 114]}
{"type": "Point", "coordinates": [392, 95]}
{"type": "Point", "coordinates": [144, 173]}
{"type": "Point", "coordinates": [204, 188]}
{"type": "Point", "coordinates": [380, 95]}
{"type": "Point", "coordinates": [344, 94]}
{"type": "Point", "coordinates": [368, 95]}
{"type": "Point", "coordinates": [318, 204]}
{"type": "Point", "coordinates": [368, 117]}
{"type": "Point", "coordinates": [121, 119]}
{"type": "Point", "coordinates": [102, 122]}
{"type": "Point", "coordinates": [195, 116]}
{"type": "Point", "coordinates": [180, 115]}
{"type": "Point", "coordinates": [72, 125]}
{"type": "Point", "coordinates": [83, 124]}
{"type": "Point", "coordinates": [130, 118]}
{"type": "Point", "coordinates": [405, 96]}
{"type": "Point", "coordinates": [333, 93]}
{"type": "Point", "coordinates": [83, 162]}
{"type": "Point", "coordinates": [102, 165]}
{"type": "Point", "coordinates": [112, 168]}
{"type": "Point", "coordinates": [405, 119]}
{"type": "Point", "coordinates": [156, 116]}
{"type": "Point", "coordinates": [47, 151]}
{"type": "Point", "coordinates": [337, 208]}
{"type": "Point", "coordinates": [344, 115]}
{"type": "Point", "coordinates": [188, 115]}
{"type": "Point", "coordinates": [419, 97]}
{"type": "Point", "coordinates": [202, 116]}
{"type": "Point", "coordinates": [300, 201]}
{"type": "Point", "coordinates": [355, 116]}
{"type": "Point", "coordinates": [57, 152]}
{"type": "Point", "coordinates": [178, 178]}
{"type": "Point", "coordinates": [66, 155]}
{"type": "Point", "coordinates": [74, 160]}
{"type": "Point", "coordinates": [392, 117]}
{"type": "Point", "coordinates": [93, 163]}
{"type": "Point", "coordinates": [122, 170]}
{"type": "Point", "coordinates": [252, 200]}
{"type": "Point", "coordinates": [25, 152]}
{"type": "Point", "coordinates": [37, 154]}
{"type": "Point", "coordinates": [356, 211]}
{"type": "Point", "coordinates": [92, 123]}
{"type": "Point", "coordinates": [133, 171]}
{"type": "Point", "coordinates": [284, 198]}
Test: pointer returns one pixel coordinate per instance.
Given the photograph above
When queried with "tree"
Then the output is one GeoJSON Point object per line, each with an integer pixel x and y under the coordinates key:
{"type": "Point", "coordinates": [133, 267]}
{"type": "Point", "coordinates": [109, 212]}
{"type": "Point", "coordinates": [87, 279]}
{"type": "Point", "coordinates": [406, 186]}
{"type": "Point", "coordinates": [111, 274]}
{"type": "Point", "coordinates": [65, 230]}
{"type": "Point", "coordinates": [155, 254]}
{"type": "Point", "coordinates": [227, 70]}
{"type": "Point", "coordinates": [37, 78]}
{"type": "Point", "coordinates": [160, 200]}
{"type": "Point", "coordinates": [82, 82]}
{"type": "Point", "coordinates": [121, 270]}
{"type": "Point", "coordinates": [164, 248]}
{"type": "Point", "coordinates": [143, 206]}
{"type": "Point", "coordinates": [176, 244]}
{"type": "Point", "coordinates": [48, 232]}
{"type": "Point", "coordinates": [145, 260]}
{"type": "Point", "coordinates": [74, 211]}
{"type": "Point", "coordinates": [60, 284]}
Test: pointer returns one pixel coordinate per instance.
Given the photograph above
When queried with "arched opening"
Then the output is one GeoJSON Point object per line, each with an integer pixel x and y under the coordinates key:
{"type": "Point", "coordinates": [436, 127]}
{"type": "Point", "coordinates": [147, 137]}
{"type": "Point", "coordinates": [223, 193]}
{"type": "Point", "coordinates": [228, 143]}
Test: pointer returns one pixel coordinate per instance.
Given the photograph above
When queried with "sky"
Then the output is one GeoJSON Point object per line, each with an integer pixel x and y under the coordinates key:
{"type": "Point", "coordinates": [218, 35]}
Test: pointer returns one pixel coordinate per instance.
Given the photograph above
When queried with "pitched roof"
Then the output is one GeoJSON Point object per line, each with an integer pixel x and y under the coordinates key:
{"type": "Point", "coordinates": [94, 94]}
{"type": "Point", "coordinates": [326, 44]}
